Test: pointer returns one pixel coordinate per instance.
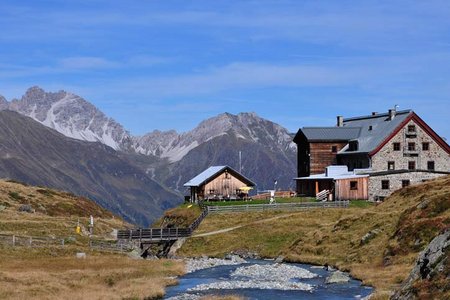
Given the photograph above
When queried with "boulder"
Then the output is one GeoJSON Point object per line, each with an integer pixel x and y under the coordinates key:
{"type": "Point", "coordinates": [337, 277]}
{"type": "Point", "coordinates": [27, 208]}
{"type": "Point", "coordinates": [279, 259]}
{"type": "Point", "coordinates": [369, 236]}
{"type": "Point", "coordinates": [430, 263]}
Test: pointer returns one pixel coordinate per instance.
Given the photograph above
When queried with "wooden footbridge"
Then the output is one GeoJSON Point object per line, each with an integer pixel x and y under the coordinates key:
{"type": "Point", "coordinates": [156, 235]}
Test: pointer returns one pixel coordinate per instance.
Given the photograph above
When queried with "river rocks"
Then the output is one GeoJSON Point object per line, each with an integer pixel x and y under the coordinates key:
{"type": "Point", "coordinates": [246, 254]}
{"type": "Point", "coordinates": [253, 284]}
{"type": "Point", "coordinates": [276, 272]}
{"type": "Point", "coordinates": [235, 258]}
{"type": "Point", "coordinates": [193, 265]}
{"type": "Point", "coordinates": [337, 277]}
{"type": "Point", "coordinates": [430, 265]}
{"type": "Point", "coordinates": [279, 259]}
{"type": "Point", "coordinates": [264, 277]}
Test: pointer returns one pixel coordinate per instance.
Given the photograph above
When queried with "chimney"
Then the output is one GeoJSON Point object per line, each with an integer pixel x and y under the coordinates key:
{"type": "Point", "coordinates": [391, 114]}
{"type": "Point", "coordinates": [374, 113]}
{"type": "Point", "coordinates": [340, 121]}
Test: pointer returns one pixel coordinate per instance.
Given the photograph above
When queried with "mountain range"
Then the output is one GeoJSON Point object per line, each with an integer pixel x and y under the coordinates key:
{"type": "Point", "coordinates": [167, 159]}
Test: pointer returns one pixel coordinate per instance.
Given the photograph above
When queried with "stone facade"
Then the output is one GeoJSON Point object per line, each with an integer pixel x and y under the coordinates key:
{"type": "Point", "coordinates": [420, 157]}
{"type": "Point", "coordinates": [376, 191]}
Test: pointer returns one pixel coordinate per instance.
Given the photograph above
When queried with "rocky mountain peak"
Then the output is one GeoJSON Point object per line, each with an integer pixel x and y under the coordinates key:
{"type": "Point", "coordinates": [72, 116]}
{"type": "Point", "coordinates": [3, 103]}
{"type": "Point", "coordinates": [246, 126]}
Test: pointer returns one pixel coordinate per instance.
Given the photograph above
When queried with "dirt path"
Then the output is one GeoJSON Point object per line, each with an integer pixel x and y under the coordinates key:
{"type": "Point", "coordinates": [240, 226]}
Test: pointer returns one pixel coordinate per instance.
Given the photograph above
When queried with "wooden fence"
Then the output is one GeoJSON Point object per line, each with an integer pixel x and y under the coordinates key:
{"type": "Point", "coordinates": [29, 241]}
{"type": "Point", "coordinates": [112, 246]}
{"type": "Point", "coordinates": [277, 206]}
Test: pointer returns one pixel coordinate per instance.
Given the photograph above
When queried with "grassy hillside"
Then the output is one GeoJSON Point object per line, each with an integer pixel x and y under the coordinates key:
{"type": "Point", "coordinates": [52, 271]}
{"type": "Point", "coordinates": [378, 244]}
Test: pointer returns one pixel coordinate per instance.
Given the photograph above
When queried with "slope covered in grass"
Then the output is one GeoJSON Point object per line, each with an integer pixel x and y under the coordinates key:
{"type": "Point", "coordinates": [378, 244]}
{"type": "Point", "coordinates": [52, 271]}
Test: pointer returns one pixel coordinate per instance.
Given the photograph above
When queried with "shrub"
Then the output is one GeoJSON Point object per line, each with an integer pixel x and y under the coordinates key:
{"type": "Point", "coordinates": [16, 196]}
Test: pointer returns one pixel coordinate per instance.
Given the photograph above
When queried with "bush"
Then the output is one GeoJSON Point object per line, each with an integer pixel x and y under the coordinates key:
{"type": "Point", "coordinates": [16, 196]}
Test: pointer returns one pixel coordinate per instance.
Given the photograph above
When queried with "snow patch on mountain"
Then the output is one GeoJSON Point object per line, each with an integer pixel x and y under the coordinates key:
{"type": "Point", "coordinates": [72, 116]}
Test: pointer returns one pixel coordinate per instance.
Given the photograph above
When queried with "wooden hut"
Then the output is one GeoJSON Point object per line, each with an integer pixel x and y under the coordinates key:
{"type": "Point", "coordinates": [219, 183]}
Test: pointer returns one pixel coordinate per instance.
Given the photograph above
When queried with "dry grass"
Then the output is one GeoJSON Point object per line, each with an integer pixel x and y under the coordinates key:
{"type": "Point", "coordinates": [53, 272]}
{"type": "Point", "coordinates": [182, 216]}
{"type": "Point", "coordinates": [333, 236]}
{"type": "Point", "coordinates": [96, 277]}
{"type": "Point", "coordinates": [56, 213]}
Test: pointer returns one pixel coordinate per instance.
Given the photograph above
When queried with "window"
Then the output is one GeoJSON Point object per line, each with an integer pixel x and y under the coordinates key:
{"type": "Point", "coordinates": [405, 183]}
{"type": "Point", "coordinates": [391, 165]}
{"type": "Point", "coordinates": [212, 191]}
{"type": "Point", "coordinates": [411, 146]}
{"type": "Point", "coordinates": [353, 185]}
{"type": "Point", "coordinates": [411, 165]}
{"type": "Point", "coordinates": [411, 128]}
{"type": "Point", "coordinates": [353, 146]}
{"type": "Point", "coordinates": [384, 184]}
{"type": "Point", "coordinates": [370, 128]}
{"type": "Point", "coordinates": [396, 146]}
{"type": "Point", "coordinates": [334, 149]}
{"type": "Point", "coordinates": [430, 165]}
{"type": "Point", "coordinates": [425, 146]}
{"type": "Point", "coordinates": [227, 176]}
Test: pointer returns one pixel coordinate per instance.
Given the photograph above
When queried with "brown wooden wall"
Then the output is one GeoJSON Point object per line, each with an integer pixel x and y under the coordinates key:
{"type": "Point", "coordinates": [222, 186]}
{"type": "Point", "coordinates": [322, 156]}
{"type": "Point", "coordinates": [342, 189]}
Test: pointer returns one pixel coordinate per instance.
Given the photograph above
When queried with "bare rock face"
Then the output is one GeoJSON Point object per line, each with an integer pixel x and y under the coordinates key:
{"type": "Point", "coordinates": [244, 126]}
{"type": "Point", "coordinates": [72, 116]}
{"type": "Point", "coordinates": [432, 263]}
{"type": "Point", "coordinates": [3, 103]}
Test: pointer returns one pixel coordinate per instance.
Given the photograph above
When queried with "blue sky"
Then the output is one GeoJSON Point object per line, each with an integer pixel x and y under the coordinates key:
{"type": "Point", "coordinates": [170, 64]}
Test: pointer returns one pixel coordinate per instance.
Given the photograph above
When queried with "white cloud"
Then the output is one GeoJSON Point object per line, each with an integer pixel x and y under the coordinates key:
{"type": "Point", "coordinates": [87, 62]}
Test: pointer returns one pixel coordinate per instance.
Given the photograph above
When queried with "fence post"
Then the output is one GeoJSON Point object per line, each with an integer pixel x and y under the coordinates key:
{"type": "Point", "coordinates": [31, 241]}
{"type": "Point", "coordinates": [13, 240]}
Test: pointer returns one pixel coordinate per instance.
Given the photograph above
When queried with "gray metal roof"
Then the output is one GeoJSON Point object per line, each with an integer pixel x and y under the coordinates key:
{"type": "Point", "coordinates": [382, 127]}
{"type": "Point", "coordinates": [211, 172]}
{"type": "Point", "coordinates": [368, 131]}
{"type": "Point", "coordinates": [331, 133]}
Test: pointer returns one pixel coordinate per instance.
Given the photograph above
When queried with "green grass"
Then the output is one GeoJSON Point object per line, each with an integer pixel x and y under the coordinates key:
{"type": "Point", "coordinates": [361, 203]}
{"type": "Point", "coordinates": [252, 202]}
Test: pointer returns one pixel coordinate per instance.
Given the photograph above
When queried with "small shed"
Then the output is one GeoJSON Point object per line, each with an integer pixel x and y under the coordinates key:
{"type": "Point", "coordinates": [219, 183]}
{"type": "Point", "coordinates": [341, 183]}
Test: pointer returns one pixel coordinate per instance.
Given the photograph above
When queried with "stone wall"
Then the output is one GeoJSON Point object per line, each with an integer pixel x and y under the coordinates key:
{"type": "Point", "coordinates": [395, 182]}
{"type": "Point", "coordinates": [435, 153]}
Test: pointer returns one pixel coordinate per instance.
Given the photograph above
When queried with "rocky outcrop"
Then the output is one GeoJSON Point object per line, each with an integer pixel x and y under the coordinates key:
{"type": "Point", "coordinates": [431, 266]}
{"type": "Point", "coordinates": [337, 277]}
